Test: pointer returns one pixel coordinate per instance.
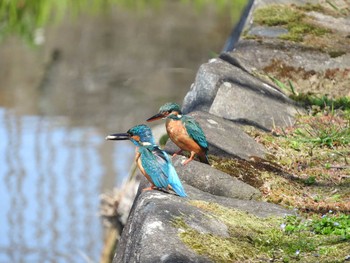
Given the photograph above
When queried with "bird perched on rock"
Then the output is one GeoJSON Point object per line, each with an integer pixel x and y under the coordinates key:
{"type": "Point", "coordinates": [154, 163]}
{"type": "Point", "coordinates": [184, 131]}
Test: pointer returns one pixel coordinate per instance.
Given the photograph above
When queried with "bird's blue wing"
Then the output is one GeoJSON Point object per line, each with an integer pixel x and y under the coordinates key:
{"type": "Point", "coordinates": [153, 161]}
{"type": "Point", "coordinates": [195, 131]}
{"type": "Point", "coordinates": [167, 171]}
{"type": "Point", "coordinates": [173, 178]}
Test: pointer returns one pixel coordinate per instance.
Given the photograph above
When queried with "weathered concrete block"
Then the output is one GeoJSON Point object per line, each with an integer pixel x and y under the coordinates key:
{"type": "Point", "coordinates": [225, 138]}
{"type": "Point", "coordinates": [238, 96]}
{"type": "Point", "coordinates": [260, 107]}
{"type": "Point", "coordinates": [210, 180]}
{"type": "Point", "coordinates": [203, 90]}
{"type": "Point", "coordinates": [151, 236]}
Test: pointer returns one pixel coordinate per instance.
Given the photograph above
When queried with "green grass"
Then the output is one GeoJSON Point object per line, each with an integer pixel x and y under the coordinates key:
{"type": "Point", "coordinates": [307, 165]}
{"type": "Point", "coordinates": [309, 100]}
{"type": "Point", "coordinates": [327, 225]}
{"type": "Point", "coordinates": [323, 101]}
{"type": "Point", "coordinates": [290, 88]}
{"type": "Point", "coordinates": [318, 135]}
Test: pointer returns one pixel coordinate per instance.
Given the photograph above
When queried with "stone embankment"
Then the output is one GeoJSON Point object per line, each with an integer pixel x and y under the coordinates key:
{"type": "Point", "coordinates": [310, 47]}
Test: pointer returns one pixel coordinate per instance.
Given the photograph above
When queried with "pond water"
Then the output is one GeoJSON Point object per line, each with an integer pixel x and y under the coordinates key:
{"type": "Point", "coordinates": [90, 75]}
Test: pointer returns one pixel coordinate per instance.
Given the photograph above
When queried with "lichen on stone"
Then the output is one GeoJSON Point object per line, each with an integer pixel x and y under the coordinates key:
{"type": "Point", "coordinates": [294, 19]}
{"type": "Point", "coordinates": [255, 239]}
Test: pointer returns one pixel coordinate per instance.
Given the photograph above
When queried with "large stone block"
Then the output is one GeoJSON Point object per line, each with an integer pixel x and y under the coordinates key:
{"type": "Point", "coordinates": [203, 90]}
{"type": "Point", "coordinates": [151, 235]}
{"type": "Point", "coordinates": [232, 92]}
{"type": "Point", "coordinates": [260, 107]}
{"type": "Point", "coordinates": [210, 180]}
{"type": "Point", "coordinates": [225, 138]}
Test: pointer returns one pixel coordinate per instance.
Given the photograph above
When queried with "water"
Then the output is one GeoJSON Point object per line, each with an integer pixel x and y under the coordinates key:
{"type": "Point", "coordinates": [93, 75]}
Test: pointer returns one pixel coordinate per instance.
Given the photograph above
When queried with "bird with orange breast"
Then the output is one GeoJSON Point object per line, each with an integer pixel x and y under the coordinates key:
{"type": "Point", "coordinates": [184, 131]}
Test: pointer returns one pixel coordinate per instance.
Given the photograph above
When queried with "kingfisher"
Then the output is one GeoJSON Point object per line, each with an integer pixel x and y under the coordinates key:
{"type": "Point", "coordinates": [184, 131]}
{"type": "Point", "coordinates": [154, 163]}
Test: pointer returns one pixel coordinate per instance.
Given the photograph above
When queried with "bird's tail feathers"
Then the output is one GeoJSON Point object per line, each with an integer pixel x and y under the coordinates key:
{"type": "Point", "coordinates": [175, 183]}
{"type": "Point", "coordinates": [179, 190]}
{"type": "Point", "coordinates": [203, 158]}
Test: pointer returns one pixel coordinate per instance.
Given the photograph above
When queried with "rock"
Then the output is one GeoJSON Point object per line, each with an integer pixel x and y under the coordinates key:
{"type": "Point", "coordinates": [230, 92]}
{"type": "Point", "coordinates": [308, 69]}
{"type": "Point", "coordinates": [257, 208]}
{"type": "Point", "coordinates": [267, 31]}
{"type": "Point", "coordinates": [292, 54]}
{"type": "Point", "coordinates": [151, 236]}
{"type": "Point", "coordinates": [225, 138]}
{"type": "Point", "coordinates": [210, 180]}
{"type": "Point", "coordinates": [311, 62]}
{"type": "Point", "coordinates": [257, 104]}
{"type": "Point", "coordinates": [203, 91]}
{"type": "Point", "coordinates": [333, 23]}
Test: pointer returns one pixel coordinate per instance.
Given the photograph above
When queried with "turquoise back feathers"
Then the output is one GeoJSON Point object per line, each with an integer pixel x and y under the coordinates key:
{"type": "Point", "coordinates": [158, 166]}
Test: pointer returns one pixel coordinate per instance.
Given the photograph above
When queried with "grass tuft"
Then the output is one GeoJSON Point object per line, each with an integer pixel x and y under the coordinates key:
{"type": "Point", "coordinates": [319, 131]}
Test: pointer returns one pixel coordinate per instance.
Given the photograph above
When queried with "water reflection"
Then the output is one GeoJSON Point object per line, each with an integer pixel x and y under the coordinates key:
{"type": "Point", "coordinates": [93, 75]}
{"type": "Point", "coordinates": [50, 182]}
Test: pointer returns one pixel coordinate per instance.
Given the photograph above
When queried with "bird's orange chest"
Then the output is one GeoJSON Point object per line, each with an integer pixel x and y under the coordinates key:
{"type": "Point", "coordinates": [140, 166]}
{"type": "Point", "coordinates": [175, 129]}
{"type": "Point", "coordinates": [178, 134]}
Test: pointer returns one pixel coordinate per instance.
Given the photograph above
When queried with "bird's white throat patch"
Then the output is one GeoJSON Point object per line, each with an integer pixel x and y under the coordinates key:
{"type": "Point", "coordinates": [146, 143]}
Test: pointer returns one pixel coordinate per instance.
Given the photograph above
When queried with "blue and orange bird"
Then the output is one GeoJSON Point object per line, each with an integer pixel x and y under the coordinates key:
{"type": "Point", "coordinates": [154, 163]}
{"type": "Point", "coordinates": [184, 131]}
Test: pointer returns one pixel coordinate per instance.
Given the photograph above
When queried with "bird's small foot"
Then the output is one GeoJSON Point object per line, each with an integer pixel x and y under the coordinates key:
{"type": "Point", "coordinates": [176, 153]}
{"type": "Point", "coordinates": [186, 161]}
{"type": "Point", "coordinates": [189, 159]}
{"type": "Point", "coordinates": [148, 188]}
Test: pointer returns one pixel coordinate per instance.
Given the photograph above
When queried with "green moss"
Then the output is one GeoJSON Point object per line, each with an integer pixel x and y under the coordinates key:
{"type": "Point", "coordinates": [291, 17]}
{"type": "Point", "coordinates": [298, 30]}
{"type": "Point", "coordinates": [336, 53]}
{"type": "Point", "coordinates": [217, 248]}
{"type": "Point", "coordinates": [242, 169]}
{"type": "Point", "coordinates": [234, 217]}
{"type": "Point", "coordinates": [255, 37]}
{"type": "Point", "coordinates": [257, 239]}
{"type": "Point", "coordinates": [308, 7]}
{"type": "Point", "coordinates": [277, 15]}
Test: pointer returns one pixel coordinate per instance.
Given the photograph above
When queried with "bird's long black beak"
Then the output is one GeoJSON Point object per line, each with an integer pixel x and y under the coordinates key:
{"type": "Point", "coordinates": [155, 117]}
{"type": "Point", "coordinates": [118, 136]}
